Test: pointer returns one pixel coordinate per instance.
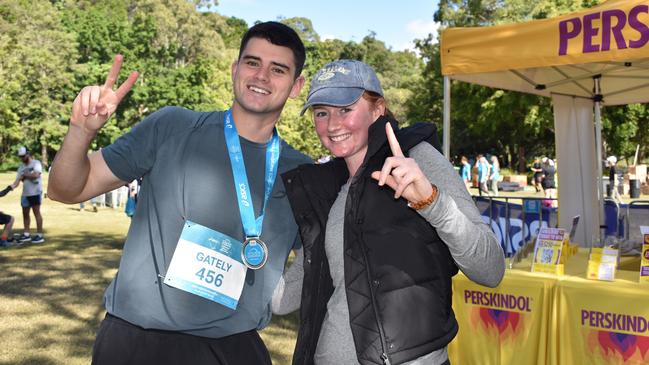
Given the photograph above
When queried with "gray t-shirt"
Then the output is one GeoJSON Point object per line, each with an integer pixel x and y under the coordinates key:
{"type": "Point", "coordinates": [31, 187]}
{"type": "Point", "coordinates": [186, 172]}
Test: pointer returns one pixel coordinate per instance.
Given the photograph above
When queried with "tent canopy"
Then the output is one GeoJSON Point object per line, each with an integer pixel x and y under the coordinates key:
{"type": "Point", "coordinates": [582, 59]}
{"type": "Point", "coordinates": [559, 55]}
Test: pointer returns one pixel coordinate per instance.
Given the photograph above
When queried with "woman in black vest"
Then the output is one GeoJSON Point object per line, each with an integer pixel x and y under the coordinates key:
{"type": "Point", "coordinates": [384, 226]}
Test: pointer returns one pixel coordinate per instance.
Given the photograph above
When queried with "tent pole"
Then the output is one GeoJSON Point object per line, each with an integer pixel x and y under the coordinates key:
{"type": "Point", "coordinates": [447, 118]}
{"type": "Point", "coordinates": [598, 159]}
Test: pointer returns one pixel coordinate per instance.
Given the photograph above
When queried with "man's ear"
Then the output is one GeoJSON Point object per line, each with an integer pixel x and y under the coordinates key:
{"type": "Point", "coordinates": [297, 87]}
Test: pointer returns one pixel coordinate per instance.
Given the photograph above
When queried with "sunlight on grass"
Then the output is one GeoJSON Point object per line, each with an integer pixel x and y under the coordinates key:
{"type": "Point", "coordinates": [51, 293]}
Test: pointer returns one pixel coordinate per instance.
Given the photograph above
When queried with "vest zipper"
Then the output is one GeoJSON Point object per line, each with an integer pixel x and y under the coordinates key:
{"type": "Point", "coordinates": [384, 355]}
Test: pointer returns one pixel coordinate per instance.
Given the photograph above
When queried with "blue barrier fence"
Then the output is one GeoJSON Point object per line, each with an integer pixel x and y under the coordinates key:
{"type": "Point", "coordinates": [514, 224]}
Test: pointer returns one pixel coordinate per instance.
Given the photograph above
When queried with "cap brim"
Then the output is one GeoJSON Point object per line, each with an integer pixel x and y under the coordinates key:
{"type": "Point", "coordinates": [333, 96]}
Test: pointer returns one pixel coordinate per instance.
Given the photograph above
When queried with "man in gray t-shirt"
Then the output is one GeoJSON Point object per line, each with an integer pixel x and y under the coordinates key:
{"type": "Point", "coordinates": [159, 309]}
{"type": "Point", "coordinates": [29, 173]}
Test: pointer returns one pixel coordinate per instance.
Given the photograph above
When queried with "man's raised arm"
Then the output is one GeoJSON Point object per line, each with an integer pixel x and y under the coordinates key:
{"type": "Point", "coordinates": [77, 176]}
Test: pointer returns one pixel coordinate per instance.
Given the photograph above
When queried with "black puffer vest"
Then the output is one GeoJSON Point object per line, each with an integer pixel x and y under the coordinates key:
{"type": "Point", "coordinates": [397, 269]}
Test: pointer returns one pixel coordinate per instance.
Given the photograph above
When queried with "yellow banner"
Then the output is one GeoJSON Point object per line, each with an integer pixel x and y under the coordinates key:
{"type": "Point", "coordinates": [505, 325]}
{"type": "Point", "coordinates": [601, 323]}
{"type": "Point", "coordinates": [616, 29]}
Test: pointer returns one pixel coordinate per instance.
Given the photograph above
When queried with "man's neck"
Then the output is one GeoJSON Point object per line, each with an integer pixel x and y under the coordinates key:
{"type": "Point", "coordinates": [254, 127]}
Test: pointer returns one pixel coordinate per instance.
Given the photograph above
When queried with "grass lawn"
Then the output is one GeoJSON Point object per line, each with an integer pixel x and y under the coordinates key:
{"type": "Point", "coordinates": [51, 293]}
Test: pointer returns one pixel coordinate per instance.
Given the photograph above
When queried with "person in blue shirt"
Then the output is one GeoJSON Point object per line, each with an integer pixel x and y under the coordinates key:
{"type": "Point", "coordinates": [483, 174]}
{"type": "Point", "coordinates": [208, 308]}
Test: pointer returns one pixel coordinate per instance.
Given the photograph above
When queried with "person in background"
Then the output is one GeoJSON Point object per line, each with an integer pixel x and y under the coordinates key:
{"type": "Point", "coordinates": [131, 202]}
{"type": "Point", "coordinates": [495, 174]}
{"type": "Point", "coordinates": [548, 183]}
{"type": "Point", "coordinates": [93, 203]}
{"type": "Point", "coordinates": [537, 178]}
{"type": "Point", "coordinates": [210, 188]}
{"type": "Point", "coordinates": [613, 181]}
{"type": "Point", "coordinates": [466, 171]}
{"type": "Point", "coordinates": [5, 236]}
{"type": "Point", "coordinates": [134, 189]}
{"type": "Point", "coordinates": [7, 221]}
{"type": "Point", "coordinates": [382, 233]}
{"type": "Point", "coordinates": [483, 174]}
{"type": "Point", "coordinates": [29, 173]}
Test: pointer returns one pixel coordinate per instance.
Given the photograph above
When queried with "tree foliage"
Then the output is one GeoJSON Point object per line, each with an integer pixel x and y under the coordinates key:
{"type": "Point", "coordinates": [183, 50]}
{"type": "Point", "coordinates": [512, 125]}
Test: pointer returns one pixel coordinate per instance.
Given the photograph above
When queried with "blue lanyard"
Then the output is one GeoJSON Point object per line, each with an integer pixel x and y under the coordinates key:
{"type": "Point", "coordinates": [251, 226]}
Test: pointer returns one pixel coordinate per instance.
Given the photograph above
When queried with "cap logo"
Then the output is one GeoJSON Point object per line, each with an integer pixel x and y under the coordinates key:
{"type": "Point", "coordinates": [325, 76]}
{"type": "Point", "coordinates": [329, 72]}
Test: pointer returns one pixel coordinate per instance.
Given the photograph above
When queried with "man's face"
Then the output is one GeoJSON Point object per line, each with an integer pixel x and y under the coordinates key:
{"type": "Point", "coordinates": [25, 159]}
{"type": "Point", "coordinates": [263, 77]}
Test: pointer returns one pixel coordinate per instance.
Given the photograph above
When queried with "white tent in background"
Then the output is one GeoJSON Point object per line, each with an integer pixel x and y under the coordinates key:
{"type": "Point", "coordinates": [581, 60]}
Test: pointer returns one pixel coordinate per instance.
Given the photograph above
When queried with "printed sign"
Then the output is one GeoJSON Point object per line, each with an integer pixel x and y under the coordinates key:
{"type": "Point", "coordinates": [547, 252]}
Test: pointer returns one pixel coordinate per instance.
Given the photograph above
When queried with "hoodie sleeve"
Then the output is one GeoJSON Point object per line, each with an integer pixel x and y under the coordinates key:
{"type": "Point", "coordinates": [456, 218]}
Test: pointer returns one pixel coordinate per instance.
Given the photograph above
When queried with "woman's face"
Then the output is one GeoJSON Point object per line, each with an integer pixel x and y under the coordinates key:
{"type": "Point", "coordinates": [344, 130]}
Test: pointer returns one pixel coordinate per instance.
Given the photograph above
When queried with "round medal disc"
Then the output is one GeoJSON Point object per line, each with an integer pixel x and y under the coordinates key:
{"type": "Point", "coordinates": [254, 253]}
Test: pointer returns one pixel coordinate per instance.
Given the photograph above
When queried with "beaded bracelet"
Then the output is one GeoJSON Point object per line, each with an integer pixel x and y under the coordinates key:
{"type": "Point", "coordinates": [424, 203]}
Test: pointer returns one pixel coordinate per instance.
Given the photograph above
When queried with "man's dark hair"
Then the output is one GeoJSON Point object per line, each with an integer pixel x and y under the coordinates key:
{"type": "Point", "coordinates": [280, 35]}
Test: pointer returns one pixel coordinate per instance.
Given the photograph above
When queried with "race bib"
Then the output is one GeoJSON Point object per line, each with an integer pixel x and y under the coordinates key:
{"type": "Point", "coordinates": [207, 263]}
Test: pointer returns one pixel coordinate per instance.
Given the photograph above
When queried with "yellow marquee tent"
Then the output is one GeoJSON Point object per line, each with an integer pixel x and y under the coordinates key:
{"type": "Point", "coordinates": [581, 60]}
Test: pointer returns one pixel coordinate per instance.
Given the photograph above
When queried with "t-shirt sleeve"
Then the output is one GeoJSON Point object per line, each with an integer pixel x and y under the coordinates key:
{"type": "Point", "coordinates": [38, 167]}
{"type": "Point", "coordinates": [133, 154]}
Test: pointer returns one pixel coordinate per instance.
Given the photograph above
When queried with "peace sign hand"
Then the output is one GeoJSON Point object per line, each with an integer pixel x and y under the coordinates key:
{"type": "Point", "coordinates": [95, 104]}
{"type": "Point", "coordinates": [402, 173]}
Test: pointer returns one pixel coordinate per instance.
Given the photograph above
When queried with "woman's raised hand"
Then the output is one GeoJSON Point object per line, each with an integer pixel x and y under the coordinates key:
{"type": "Point", "coordinates": [95, 104]}
{"type": "Point", "coordinates": [402, 173]}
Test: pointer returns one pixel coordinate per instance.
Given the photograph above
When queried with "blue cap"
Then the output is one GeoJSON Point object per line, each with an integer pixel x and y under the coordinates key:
{"type": "Point", "coordinates": [341, 83]}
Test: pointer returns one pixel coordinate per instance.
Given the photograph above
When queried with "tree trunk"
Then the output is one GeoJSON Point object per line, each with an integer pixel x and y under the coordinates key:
{"type": "Point", "coordinates": [521, 160]}
{"type": "Point", "coordinates": [44, 157]}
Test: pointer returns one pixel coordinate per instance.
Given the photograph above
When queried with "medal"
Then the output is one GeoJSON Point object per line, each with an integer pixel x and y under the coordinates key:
{"type": "Point", "coordinates": [254, 253]}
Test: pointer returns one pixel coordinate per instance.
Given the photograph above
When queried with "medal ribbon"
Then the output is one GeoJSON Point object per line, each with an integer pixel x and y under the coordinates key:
{"type": "Point", "coordinates": [251, 226]}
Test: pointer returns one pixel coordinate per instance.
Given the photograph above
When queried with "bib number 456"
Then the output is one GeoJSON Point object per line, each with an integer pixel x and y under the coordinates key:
{"type": "Point", "coordinates": [210, 277]}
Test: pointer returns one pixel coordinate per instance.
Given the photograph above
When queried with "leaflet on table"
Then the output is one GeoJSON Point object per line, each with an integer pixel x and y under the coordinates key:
{"type": "Point", "coordinates": [569, 248]}
{"type": "Point", "coordinates": [207, 263]}
{"type": "Point", "coordinates": [644, 263]}
{"type": "Point", "coordinates": [602, 263]}
{"type": "Point", "coordinates": [547, 252]}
